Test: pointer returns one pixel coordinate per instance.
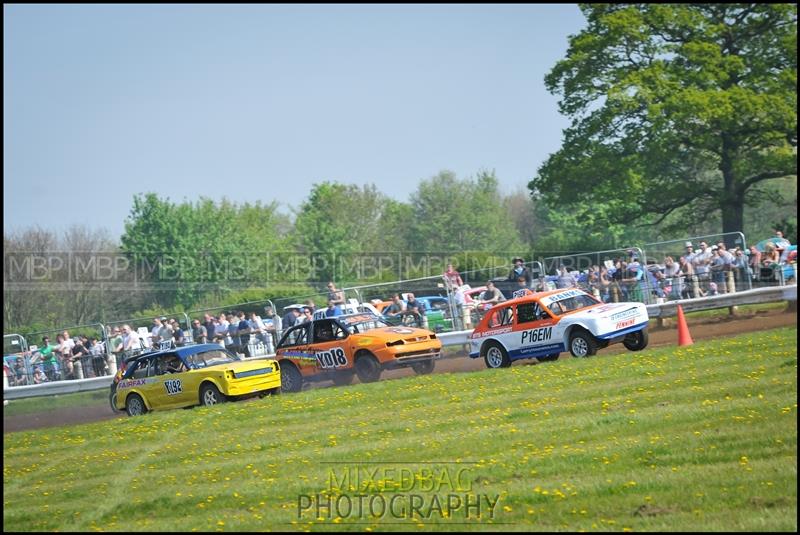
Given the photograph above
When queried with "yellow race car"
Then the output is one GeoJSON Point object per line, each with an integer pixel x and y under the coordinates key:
{"type": "Point", "coordinates": [202, 374]}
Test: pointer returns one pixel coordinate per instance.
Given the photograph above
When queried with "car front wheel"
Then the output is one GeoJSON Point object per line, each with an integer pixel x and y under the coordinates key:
{"type": "Point", "coordinates": [291, 378]}
{"type": "Point", "coordinates": [367, 368]}
{"type": "Point", "coordinates": [636, 341]}
{"type": "Point", "coordinates": [135, 405]}
{"type": "Point", "coordinates": [210, 395]}
{"type": "Point", "coordinates": [582, 344]}
{"type": "Point", "coordinates": [423, 368]}
{"type": "Point", "coordinates": [495, 356]}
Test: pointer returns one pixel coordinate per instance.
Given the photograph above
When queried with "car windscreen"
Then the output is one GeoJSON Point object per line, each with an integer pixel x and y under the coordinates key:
{"type": "Point", "coordinates": [362, 322]}
{"type": "Point", "coordinates": [210, 358]}
{"type": "Point", "coordinates": [570, 304]}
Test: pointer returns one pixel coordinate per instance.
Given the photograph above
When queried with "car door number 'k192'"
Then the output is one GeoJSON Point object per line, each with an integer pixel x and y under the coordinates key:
{"type": "Point", "coordinates": [173, 386]}
{"type": "Point", "coordinates": [334, 358]}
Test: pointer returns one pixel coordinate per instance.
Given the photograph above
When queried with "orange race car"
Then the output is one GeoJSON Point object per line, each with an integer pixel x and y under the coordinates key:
{"type": "Point", "coordinates": [340, 347]}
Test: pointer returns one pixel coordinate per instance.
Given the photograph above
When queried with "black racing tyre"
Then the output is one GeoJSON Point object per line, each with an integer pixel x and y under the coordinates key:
{"type": "Point", "coordinates": [135, 406]}
{"type": "Point", "coordinates": [582, 343]}
{"type": "Point", "coordinates": [343, 378]}
{"type": "Point", "coordinates": [495, 355]}
{"type": "Point", "coordinates": [367, 367]}
{"type": "Point", "coordinates": [291, 378]}
{"type": "Point", "coordinates": [210, 395]}
{"type": "Point", "coordinates": [423, 368]}
{"type": "Point", "coordinates": [548, 358]}
{"type": "Point", "coordinates": [636, 341]}
{"type": "Point", "coordinates": [111, 397]}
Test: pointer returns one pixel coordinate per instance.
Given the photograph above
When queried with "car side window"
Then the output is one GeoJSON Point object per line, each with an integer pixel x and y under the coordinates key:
{"type": "Point", "coordinates": [296, 336]}
{"type": "Point", "coordinates": [323, 331]}
{"type": "Point", "coordinates": [500, 317]}
{"type": "Point", "coordinates": [141, 369]}
{"type": "Point", "coordinates": [528, 312]}
{"type": "Point", "coordinates": [339, 332]}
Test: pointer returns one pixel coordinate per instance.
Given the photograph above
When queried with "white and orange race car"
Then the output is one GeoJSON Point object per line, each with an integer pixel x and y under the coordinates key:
{"type": "Point", "coordinates": [543, 325]}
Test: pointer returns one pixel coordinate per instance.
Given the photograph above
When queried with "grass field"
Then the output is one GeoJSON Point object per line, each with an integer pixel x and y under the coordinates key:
{"type": "Point", "coordinates": [60, 401]}
{"type": "Point", "coordinates": [702, 438]}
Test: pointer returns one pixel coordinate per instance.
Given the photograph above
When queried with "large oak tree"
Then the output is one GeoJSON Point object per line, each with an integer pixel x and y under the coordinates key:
{"type": "Point", "coordinates": [675, 106]}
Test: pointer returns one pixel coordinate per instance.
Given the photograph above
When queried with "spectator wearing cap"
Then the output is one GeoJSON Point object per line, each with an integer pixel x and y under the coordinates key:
{"type": "Point", "coordinates": [702, 265]}
{"type": "Point", "coordinates": [520, 270]}
{"type": "Point", "coordinates": [165, 333]}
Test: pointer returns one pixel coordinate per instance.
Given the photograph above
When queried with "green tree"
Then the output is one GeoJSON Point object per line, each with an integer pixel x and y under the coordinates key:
{"type": "Point", "coordinates": [675, 106]}
{"type": "Point", "coordinates": [188, 249]}
{"type": "Point", "coordinates": [452, 215]}
{"type": "Point", "coordinates": [341, 224]}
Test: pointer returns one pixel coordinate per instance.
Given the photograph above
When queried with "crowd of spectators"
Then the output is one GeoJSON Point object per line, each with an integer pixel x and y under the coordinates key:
{"type": "Point", "coordinates": [707, 270]}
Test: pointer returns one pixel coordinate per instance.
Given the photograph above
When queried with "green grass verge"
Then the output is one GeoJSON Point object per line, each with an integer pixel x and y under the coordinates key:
{"type": "Point", "coordinates": [700, 438]}
{"type": "Point", "coordinates": [43, 404]}
{"type": "Point", "coordinates": [741, 309]}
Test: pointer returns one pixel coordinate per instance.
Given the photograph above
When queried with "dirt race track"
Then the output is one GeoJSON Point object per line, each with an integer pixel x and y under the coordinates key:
{"type": "Point", "coordinates": [700, 329]}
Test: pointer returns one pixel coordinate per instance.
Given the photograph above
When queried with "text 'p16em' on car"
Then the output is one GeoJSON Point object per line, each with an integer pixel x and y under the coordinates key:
{"type": "Point", "coordinates": [545, 324]}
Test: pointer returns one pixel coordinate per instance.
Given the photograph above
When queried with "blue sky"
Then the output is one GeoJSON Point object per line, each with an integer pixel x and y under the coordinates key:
{"type": "Point", "coordinates": [259, 102]}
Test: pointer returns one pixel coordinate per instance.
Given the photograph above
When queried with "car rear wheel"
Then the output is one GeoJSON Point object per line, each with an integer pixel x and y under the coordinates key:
{"type": "Point", "coordinates": [582, 343]}
{"type": "Point", "coordinates": [135, 406]}
{"type": "Point", "coordinates": [112, 398]}
{"type": "Point", "coordinates": [367, 368]}
{"type": "Point", "coordinates": [423, 368]}
{"type": "Point", "coordinates": [210, 395]}
{"type": "Point", "coordinates": [636, 341]}
{"type": "Point", "coordinates": [495, 356]}
{"type": "Point", "coordinates": [291, 378]}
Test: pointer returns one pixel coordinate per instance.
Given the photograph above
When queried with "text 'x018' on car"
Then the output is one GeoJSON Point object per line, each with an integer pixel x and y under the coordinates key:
{"type": "Point", "coordinates": [361, 344]}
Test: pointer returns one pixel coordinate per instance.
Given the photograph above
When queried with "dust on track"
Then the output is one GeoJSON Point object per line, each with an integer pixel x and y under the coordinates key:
{"type": "Point", "coordinates": [700, 328]}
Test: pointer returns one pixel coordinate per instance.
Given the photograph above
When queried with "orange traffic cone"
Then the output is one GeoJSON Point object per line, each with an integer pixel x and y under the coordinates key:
{"type": "Point", "coordinates": [684, 338]}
